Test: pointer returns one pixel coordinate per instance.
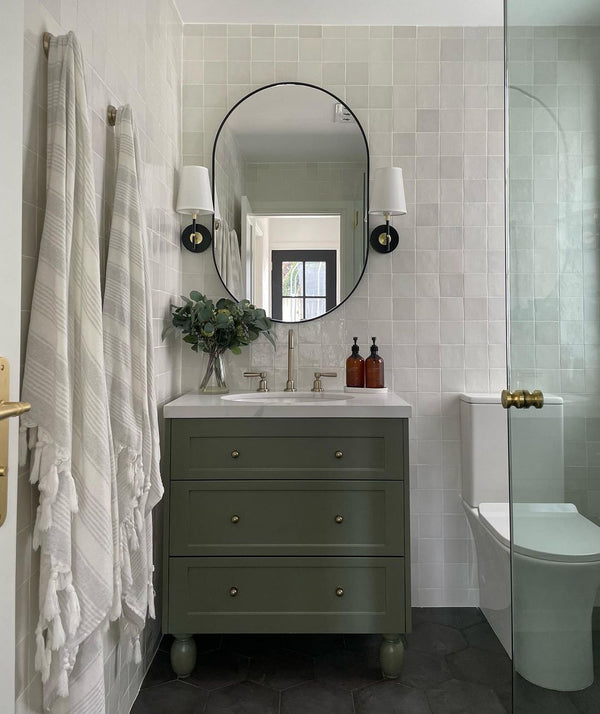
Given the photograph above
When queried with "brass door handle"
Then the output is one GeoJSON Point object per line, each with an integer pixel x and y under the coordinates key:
{"type": "Point", "coordinates": [10, 409]}
{"type": "Point", "coordinates": [339, 592]}
{"type": "Point", "coordinates": [235, 519]}
{"type": "Point", "coordinates": [234, 454]}
{"type": "Point", "coordinates": [339, 454]}
{"type": "Point", "coordinates": [233, 591]}
{"type": "Point", "coordinates": [339, 519]}
{"type": "Point", "coordinates": [7, 409]}
{"type": "Point", "coordinates": [522, 399]}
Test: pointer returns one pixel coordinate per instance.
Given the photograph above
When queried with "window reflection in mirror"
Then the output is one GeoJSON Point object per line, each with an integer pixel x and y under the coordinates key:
{"type": "Point", "coordinates": [291, 184]}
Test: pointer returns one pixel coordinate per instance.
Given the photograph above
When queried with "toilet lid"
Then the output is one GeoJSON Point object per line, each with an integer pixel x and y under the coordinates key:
{"type": "Point", "coordinates": [548, 531]}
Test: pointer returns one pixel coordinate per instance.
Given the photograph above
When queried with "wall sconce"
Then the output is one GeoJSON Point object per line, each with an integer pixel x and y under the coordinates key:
{"type": "Point", "coordinates": [195, 198]}
{"type": "Point", "coordinates": [387, 199]}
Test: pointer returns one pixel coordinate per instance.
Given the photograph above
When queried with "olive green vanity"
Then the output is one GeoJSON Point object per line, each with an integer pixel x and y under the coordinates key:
{"type": "Point", "coordinates": [286, 519]}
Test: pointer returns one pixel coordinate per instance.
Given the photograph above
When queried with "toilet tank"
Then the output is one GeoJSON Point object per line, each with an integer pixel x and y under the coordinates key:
{"type": "Point", "coordinates": [484, 448]}
{"type": "Point", "coordinates": [537, 438]}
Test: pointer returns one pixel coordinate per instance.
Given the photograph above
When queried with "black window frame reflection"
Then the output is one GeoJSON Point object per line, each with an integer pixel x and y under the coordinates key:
{"type": "Point", "coordinates": [278, 257]}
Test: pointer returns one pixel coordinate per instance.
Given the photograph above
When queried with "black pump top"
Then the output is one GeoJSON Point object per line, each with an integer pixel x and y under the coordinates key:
{"type": "Point", "coordinates": [355, 347]}
{"type": "Point", "coordinates": [374, 347]}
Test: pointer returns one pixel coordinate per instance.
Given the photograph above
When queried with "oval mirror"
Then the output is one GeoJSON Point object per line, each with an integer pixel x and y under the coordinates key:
{"type": "Point", "coordinates": [290, 182]}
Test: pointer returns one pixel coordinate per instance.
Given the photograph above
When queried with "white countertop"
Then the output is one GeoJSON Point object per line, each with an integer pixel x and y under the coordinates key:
{"type": "Point", "coordinates": [202, 406]}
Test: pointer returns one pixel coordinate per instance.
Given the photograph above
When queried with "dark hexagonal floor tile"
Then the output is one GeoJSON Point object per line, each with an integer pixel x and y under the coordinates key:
{"type": "Point", "coordinates": [160, 670]}
{"type": "Point", "coordinates": [436, 639]}
{"type": "Point", "coordinates": [243, 698]}
{"type": "Point", "coordinates": [316, 698]}
{"type": "Point", "coordinates": [474, 665]}
{"type": "Point", "coordinates": [504, 694]}
{"type": "Point", "coordinates": [423, 670]}
{"type": "Point", "coordinates": [529, 699]}
{"type": "Point", "coordinates": [175, 696]}
{"type": "Point", "coordinates": [390, 698]}
{"type": "Point", "coordinates": [455, 697]}
{"type": "Point", "coordinates": [251, 645]}
{"type": "Point", "coordinates": [313, 645]}
{"type": "Point", "coordinates": [458, 617]}
{"type": "Point", "coordinates": [348, 670]}
{"type": "Point", "coordinates": [596, 648]}
{"type": "Point", "coordinates": [219, 669]}
{"type": "Point", "coordinates": [588, 700]}
{"type": "Point", "coordinates": [483, 637]}
{"type": "Point", "coordinates": [281, 669]}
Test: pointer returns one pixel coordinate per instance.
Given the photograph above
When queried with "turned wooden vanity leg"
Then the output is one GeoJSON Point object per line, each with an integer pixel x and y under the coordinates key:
{"type": "Point", "coordinates": [183, 655]}
{"type": "Point", "coordinates": [391, 656]}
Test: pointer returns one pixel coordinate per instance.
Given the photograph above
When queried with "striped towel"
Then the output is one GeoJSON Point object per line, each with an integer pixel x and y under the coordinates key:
{"type": "Point", "coordinates": [68, 425]}
{"type": "Point", "coordinates": [128, 350]}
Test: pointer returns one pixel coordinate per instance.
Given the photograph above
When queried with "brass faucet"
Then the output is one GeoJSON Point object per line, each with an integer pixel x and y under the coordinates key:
{"type": "Point", "coordinates": [289, 385]}
{"type": "Point", "coordinates": [317, 384]}
{"type": "Point", "coordinates": [262, 385]}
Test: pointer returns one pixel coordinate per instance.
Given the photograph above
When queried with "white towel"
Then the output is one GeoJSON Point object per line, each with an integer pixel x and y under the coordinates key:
{"type": "Point", "coordinates": [68, 422]}
{"type": "Point", "coordinates": [229, 262]}
{"type": "Point", "coordinates": [128, 350]}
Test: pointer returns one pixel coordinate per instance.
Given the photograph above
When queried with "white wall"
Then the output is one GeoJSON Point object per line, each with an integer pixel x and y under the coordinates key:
{"type": "Point", "coordinates": [555, 238]}
{"type": "Point", "coordinates": [133, 55]}
{"type": "Point", "coordinates": [431, 101]}
{"type": "Point", "coordinates": [11, 127]}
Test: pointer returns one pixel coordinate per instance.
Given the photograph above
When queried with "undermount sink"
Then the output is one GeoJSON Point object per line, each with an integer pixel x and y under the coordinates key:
{"type": "Point", "coordinates": [287, 398]}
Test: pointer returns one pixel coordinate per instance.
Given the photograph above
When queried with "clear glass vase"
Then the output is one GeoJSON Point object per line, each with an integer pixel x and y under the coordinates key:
{"type": "Point", "coordinates": [213, 381]}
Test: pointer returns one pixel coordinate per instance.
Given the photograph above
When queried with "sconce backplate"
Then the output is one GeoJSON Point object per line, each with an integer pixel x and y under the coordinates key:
{"type": "Point", "coordinates": [378, 239]}
{"type": "Point", "coordinates": [188, 241]}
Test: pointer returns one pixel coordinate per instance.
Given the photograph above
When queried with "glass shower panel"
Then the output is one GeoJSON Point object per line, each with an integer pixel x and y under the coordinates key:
{"type": "Point", "coordinates": [553, 310]}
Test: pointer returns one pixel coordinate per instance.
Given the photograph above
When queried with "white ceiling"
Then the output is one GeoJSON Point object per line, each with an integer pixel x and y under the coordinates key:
{"type": "Point", "coordinates": [344, 12]}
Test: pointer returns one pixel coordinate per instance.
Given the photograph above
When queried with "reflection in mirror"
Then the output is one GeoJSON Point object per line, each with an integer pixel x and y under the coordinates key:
{"type": "Point", "coordinates": [290, 178]}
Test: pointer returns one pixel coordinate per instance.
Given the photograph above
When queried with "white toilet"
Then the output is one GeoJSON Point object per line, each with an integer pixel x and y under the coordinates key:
{"type": "Point", "coordinates": [556, 550]}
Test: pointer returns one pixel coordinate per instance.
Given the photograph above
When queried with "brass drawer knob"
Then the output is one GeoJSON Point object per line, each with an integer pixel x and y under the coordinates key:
{"type": "Point", "coordinates": [235, 519]}
{"type": "Point", "coordinates": [339, 519]}
{"type": "Point", "coordinates": [339, 454]}
{"type": "Point", "coordinates": [339, 592]}
{"type": "Point", "coordinates": [233, 591]}
{"type": "Point", "coordinates": [234, 454]}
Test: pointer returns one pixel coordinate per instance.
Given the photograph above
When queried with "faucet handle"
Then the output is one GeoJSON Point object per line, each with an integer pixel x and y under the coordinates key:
{"type": "Point", "coordinates": [317, 386]}
{"type": "Point", "coordinates": [262, 385]}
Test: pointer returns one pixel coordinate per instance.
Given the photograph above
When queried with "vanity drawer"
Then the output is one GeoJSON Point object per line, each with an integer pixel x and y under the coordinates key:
{"type": "Point", "coordinates": [287, 517]}
{"type": "Point", "coordinates": [287, 448]}
{"type": "Point", "coordinates": [286, 595]}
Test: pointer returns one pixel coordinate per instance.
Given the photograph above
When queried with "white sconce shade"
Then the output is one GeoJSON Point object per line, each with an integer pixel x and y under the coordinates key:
{"type": "Point", "coordinates": [194, 195]}
{"type": "Point", "coordinates": [388, 192]}
{"type": "Point", "coordinates": [387, 198]}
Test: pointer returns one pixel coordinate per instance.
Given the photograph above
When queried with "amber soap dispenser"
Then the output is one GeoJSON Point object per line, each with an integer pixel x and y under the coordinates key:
{"type": "Point", "coordinates": [355, 368]}
{"type": "Point", "coordinates": [374, 368]}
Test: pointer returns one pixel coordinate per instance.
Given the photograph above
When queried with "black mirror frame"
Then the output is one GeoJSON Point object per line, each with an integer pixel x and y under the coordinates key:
{"type": "Point", "coordinates": [362, 131]}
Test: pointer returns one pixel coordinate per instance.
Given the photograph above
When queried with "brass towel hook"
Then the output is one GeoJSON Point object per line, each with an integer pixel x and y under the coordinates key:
{"type": "Point", "coordinates": [46, 37]}
{"type": "Point", "coordinates": [111, 115]}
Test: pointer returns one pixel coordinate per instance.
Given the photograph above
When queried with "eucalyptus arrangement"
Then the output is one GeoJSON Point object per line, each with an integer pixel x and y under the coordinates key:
{"type": "Point", "coordinates": [216, 328]}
